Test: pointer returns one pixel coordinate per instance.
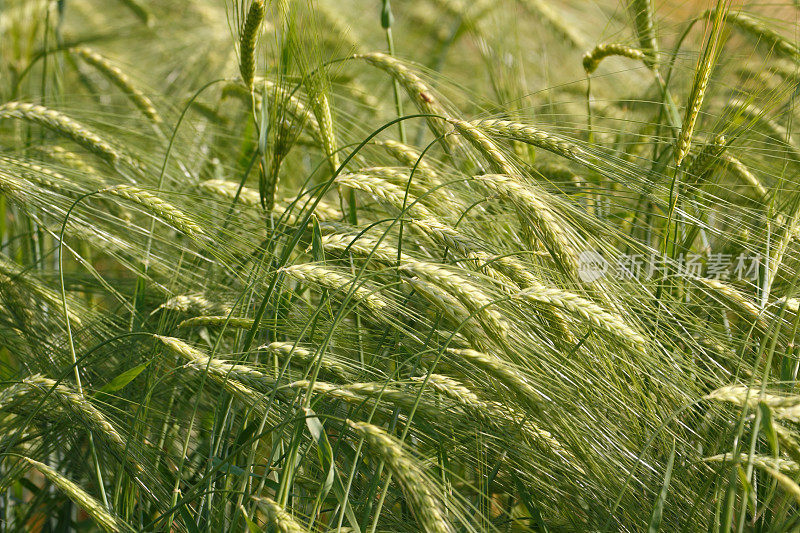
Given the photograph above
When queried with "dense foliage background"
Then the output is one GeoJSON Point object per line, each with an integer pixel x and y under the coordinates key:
{"type": "Point", "coordinates": [515, 265]}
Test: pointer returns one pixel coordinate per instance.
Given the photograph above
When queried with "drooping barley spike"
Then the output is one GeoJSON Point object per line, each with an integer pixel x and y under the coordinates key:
{"type": "Point", "coordinates": [62, 125]}
{"type": "Point", "coordinates": [121, 80]}
{"type": "Point", "coordinates": [784, 407]}
{"type": "Point", "coordinates": [364, 246]}
{"type": "Point", "coordinates": [193, 303]}
{"type": "Point", "coordinates": [707, 159]}
{"type": "Point", "coordinates": [248, 37]}
{"type": "Point", "coordinates": [383, 190]}
{"type": "Point", "coordinates": [305, 356]}
{"type": "Point", "coordinates": [530, 206]}
{"type": "Point", "coordinates": [484, 144]}
{"type": "Point", "coordinates": [427, 507]}
{"type": "Point", "coordinates": [467, 293]}
{"type": "Point", "coordinates": [761, 33]}
{"type": "Point", "coordinates": [73, 160]}
{"type": "Point", "coordinates": [336, 281]}
{"type": "Point", "coordinates": [217, 321]}
{"type": "Point", "coordinates": [593, 58]}
{"type": "Point", "coordinates": [528, 134]}
{"type": "Point", "coordinates": [282, 520]}
{"type": "Point", "coordinates": [740, 170]}
{"type": "Point", "coordinates": [586, 309]}
{"type": "Point", "coordinates": [417, 90]}
{"type": "Point", "coordinates": [243, 381]}
{"type": "Point", "coordinates": [407, 156]}
{"type": "Point", "coordinates": [761, 461]}
{"type": "Point", "coordinates": [158, 207]}
{"type": "Point", "coordinates": [76, 404]}
{"type": "Point", "coordinates": [741, 304]}
{"type": "Point", "coordinates": [456, 391]}
{"type": "Point", "coordinates": [705, 66]}
{"type": "Point", "coordinates": [101, 516]}
{"type": "Point", "coordinates": [504, 372]}
{"type": "Point", "coordinates": [644, 23]}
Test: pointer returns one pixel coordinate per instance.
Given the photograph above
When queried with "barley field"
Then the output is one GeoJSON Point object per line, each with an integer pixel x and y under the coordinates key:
{"type": "Point", "coordinates": [449, 266]}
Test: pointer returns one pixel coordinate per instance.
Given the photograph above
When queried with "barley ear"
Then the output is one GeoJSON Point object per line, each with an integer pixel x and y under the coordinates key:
{"type": "Point", "coordinates": [592, 58]}
{"type": "Point", "coordinates": [424, 503]}
{"type": "Point", "coordinates": [80, 497]}
{"type": "Point", "coordinates": [247, 42]}
{"type": "Point", "coordinates": [705, 66]}
{"type": "Point", "coordinates": [283, 521]}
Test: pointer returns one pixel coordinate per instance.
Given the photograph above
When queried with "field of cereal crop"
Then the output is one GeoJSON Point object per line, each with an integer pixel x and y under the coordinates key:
{"type": "Point", "coordinates": [436, 265]}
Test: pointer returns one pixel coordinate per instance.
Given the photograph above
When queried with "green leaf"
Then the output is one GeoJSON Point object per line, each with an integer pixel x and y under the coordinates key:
{"type": "Point", "coordinates": [332, 480]}
{"type": "Point", "coordinates": [251, 526]}
{"type": "Point", "coordinates": [188, 521]}
{"type": "Point", "coordinates": [317, 251]}
{"type": "Point", "coordinates": [768, 428]}
{"type": "Point", "coordinates": [533, 509]}
{"type": "Point", "coordinates": [123, 379]}
{"type": "Point", "coordinates": [658, 509]}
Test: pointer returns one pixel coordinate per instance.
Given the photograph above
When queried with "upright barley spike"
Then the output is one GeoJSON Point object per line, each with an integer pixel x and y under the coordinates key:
{"type": "Point", "coordinates": [701, 77]}
{"type": "Point", "coordinates": [247, 42]}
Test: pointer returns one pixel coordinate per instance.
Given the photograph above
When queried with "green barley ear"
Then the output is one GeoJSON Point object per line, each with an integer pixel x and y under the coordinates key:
{"type": "Point", "coordinates": [592, 58]}
{"type": "Point", "coordinates": [247, 42]}
{"type": "Point", "coordinates": [424, 503]}
{"type": "Point", "coordinates": [80, 497]}
{"type": "Point", "coordinates": [120, 79]}
{"type": "Point", "coordinates": [158, 207]}
{"type": "Point", "coordinates": [705, 66]}
{"type": "Point", "coordinates": [278, 516]}
{"type": "Point", "coordinates": [386, 15]}
{"type": "Point", "coordinates": [644, 23]}
{"type": "Point", "coordinates": [62, 125]}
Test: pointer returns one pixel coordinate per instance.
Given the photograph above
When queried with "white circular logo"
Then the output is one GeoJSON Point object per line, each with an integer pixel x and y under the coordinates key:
{"type": "Point", "coordinates": [591, 266]}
